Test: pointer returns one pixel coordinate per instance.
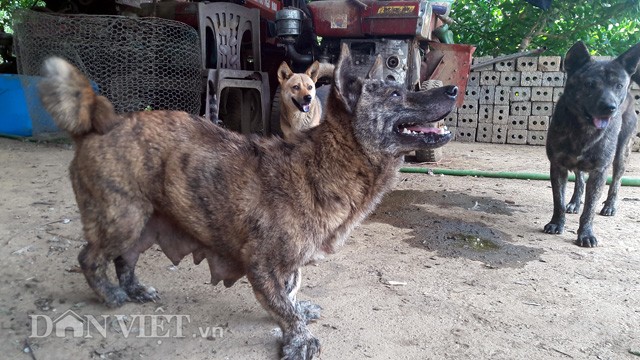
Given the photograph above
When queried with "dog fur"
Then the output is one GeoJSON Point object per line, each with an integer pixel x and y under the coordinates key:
{"type": "Point", "coordinates": [300, 108]}
{"type": "Point", "coordinates": [251, 206]}
{"type": "Point", "coordinates": [591, 128]}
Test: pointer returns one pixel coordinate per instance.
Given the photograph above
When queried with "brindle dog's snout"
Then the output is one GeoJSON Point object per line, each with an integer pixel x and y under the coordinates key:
{"type": "Point", "coordinates": [451, 91]}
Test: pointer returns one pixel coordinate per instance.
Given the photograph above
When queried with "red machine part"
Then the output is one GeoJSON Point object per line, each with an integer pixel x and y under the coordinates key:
{"type": "Point", "coordinates": [415, 18]}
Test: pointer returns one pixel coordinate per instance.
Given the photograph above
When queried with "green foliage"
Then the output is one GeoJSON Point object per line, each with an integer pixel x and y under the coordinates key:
{"type": "Point", "coordinates": [7, 7]}
{"type": "Point", "coordinates": [500, 27]}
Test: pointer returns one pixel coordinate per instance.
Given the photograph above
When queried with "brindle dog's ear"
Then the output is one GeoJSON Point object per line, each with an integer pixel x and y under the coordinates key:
{"type": "Point", "coordinates": [577, 57]}
{"type": "Point", "coordinates": [347, 85]}
{"type": "Point", "coordinates": [630, 59]}
{"type": "Point", "coordinates": [376, 69]}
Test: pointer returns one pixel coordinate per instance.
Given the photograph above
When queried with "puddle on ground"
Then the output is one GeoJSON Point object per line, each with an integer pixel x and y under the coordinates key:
{"type": "Point", "coordinates": [451, 237]}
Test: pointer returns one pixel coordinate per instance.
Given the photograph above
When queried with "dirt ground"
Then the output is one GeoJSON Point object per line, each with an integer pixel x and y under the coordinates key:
{"type": "Point", "coordinates": [446, 268]}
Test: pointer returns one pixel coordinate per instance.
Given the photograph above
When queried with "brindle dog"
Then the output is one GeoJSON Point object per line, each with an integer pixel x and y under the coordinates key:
{"type": "Point", "coordinates": [591, 128]}
{"type": "Point", "coordinates": [249, 205]}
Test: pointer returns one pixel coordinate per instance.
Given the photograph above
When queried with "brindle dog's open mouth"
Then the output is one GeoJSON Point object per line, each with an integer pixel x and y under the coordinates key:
{"type": "Point", "coordinates": [431, 136]}
{"type": "Point", "coordinates": [600, 122]}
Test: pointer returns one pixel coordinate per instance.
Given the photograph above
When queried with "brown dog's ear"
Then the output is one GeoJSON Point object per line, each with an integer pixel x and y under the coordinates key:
{"type": "Point", "coordinates": [376, 69]}
{"type": "Point", "coordinates": [284, 72]}
{"type": "Point", "coordinates": [313, 71]}
{"type": "Point", "coordinates": [630, 59]}
{"type": "Point", "coordinates": [576, 57]}
{"type": "Point", "coordinates": [347, 85]}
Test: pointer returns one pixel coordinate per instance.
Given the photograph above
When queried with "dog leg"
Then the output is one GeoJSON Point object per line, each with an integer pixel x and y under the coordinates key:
{"type": "Point", "coordinates": [94, 266]}
{"type": "Point", "coordinates": [273, 295]}
{"type": "Point", "coordinates": [558, 184]}
{"type": "Point", "coordinates": [307, 309]}
{"type": "Point", "coordinates": [125, 266]}
{"type": "Point", "coordinates": [619, 162]}
{"type": "Point", "coordinates": [595, 185]}
{"type": "Point", "coordinates": [573, 207]}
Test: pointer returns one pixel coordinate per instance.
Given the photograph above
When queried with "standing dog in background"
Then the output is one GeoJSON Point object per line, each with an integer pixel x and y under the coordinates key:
{"type": "Point", "coordinates": [591, 128]}
{"type": "Point", "coordinates": [249, 205]}
{"type": "Point", "coordinates": [300, 108]}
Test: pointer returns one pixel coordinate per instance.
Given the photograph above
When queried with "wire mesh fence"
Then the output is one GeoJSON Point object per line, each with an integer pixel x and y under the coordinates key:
{"type": "Point", "coordinates": [137, 63]}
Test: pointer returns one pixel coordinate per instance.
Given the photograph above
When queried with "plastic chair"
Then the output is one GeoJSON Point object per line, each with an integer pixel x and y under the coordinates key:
{"type": "Point", "coordinates": [222, 28]}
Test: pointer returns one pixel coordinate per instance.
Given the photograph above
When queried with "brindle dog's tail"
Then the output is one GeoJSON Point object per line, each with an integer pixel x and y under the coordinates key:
{"type": "Point", "coordinates": [68, 96]}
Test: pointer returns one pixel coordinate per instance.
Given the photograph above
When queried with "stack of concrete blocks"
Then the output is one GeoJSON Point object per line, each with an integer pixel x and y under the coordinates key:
{"type": "Point", "coordinates": [635, 92]}
{"type": "Point", "coordinates": [510, 101]}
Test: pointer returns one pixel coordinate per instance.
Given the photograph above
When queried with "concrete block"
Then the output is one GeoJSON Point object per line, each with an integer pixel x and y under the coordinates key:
{"type": "Point", "coordinates": [531, 78]}
{"type": "Point", "coordinates": [517, 122]}
{"type": "Point", "coordinates": [520, 108]}
{"type": "Point", "coordinates": [468, 107]}
{"type": "Point", "coordinates": [510, 78]}
{"type": "Point", "coordinates": [472, 93]}
{"type": "Point", "coordinates": [538, 123]}
{"type": "Point", "coordinates": [474, 79]}
{"type": "Point", "coordinates": [542, 93]}
{"type": "Point", "coordinates": [467, 120]}
{"type": "Point", "coordinates": [489, 77]}
{"type": "Point", "coordinates": [635, 94]}
{"type": "Point", "coordinates": [520, 93]}
{"type": "Point", "coordinates": [502, 95]}
{"type": "Point", "coordinates": [454, 131]}
{"type": "Point", "coordinates": [483, 133]}
{"type": "Point", "coordinates": [451, 120]}
{"type": "Point", "coordinates": [557, 92]}
{"type": "Point", "coordinates": [537, 138]}
{"type": "Point", "coordinates": [485, 114]}
{"type": "Point", "coordinates": [500, 114]}
{"type": "Point", "coordinates": [515, 136]}
{"type": "Point", "coordinates": [553, 78]}
{"type": "Point", "coordinates": [499, 134]}
{"type": "Point", "coordinates": [505, 65]}
{"type": "Point", "coordinates": [480, 60]}
{"type": "Point", "coordinates": [466, 134]}
{"type": "Point", "coordinates": [549, 63]}
{"type": "Point", "coordinates": [527, 63]}
{"type": "Point", "coordinates": [487, 94]}
{"type": "Point", "coordinates": [542, 108]}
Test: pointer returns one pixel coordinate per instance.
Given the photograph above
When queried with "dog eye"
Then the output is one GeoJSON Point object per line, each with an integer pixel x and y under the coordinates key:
{"type": "Point", "coordinates": [395, 93]}
{"type": "Point", "coordinates": [296, 87]}
{"type": "Point", "coordinates": [619, 86]}
{"type": "Point", "coordinates": [309, 87]}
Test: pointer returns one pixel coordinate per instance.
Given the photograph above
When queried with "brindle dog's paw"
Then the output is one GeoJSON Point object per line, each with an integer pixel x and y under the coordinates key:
{"type": "Point", "coordinates": [553, 228]}
{"type": "Point", "coordinates": [308, 310]}
{"type": "Point", "coordinates": [573, 208]}
{"type": "Point", "coordinates": [141, 293]}
{"type": "Point", "coordinates": [300, 347]}
{"type": "Point", "coordinates": [587, 240]}
{"type": "Point", "coordinates": [608, 210]}
{"type": "Point", "coordinates": [115, 297]}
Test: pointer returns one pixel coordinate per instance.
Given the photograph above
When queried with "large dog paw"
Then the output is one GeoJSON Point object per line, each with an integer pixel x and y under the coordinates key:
{"type": "Point", "coordinates": [115, 296]}
{"type": "Point", "coordinates": [308, 310]}
{"type": "Point", "coordinates": [608, 210]}
{"type": "Point", "coordinates": [573, 207]}
{"type": "Point", "coordinates": [554, 228]}
{"type": "Point", "coordinates": [141, 293]}
{"type": "Point", "coordinates": [300, 346]}
{"type": "Point", "coordinates": [587, 240]}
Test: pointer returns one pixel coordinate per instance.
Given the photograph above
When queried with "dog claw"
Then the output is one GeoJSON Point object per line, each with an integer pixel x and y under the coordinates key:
{"type": "Point", "coordinates": [308, 310]}
{"type": "Point", "coordinates": [608, 210]}
{"type": "Point", "coordinates": [572, 208]}
{"type": "Point", "coordinates": [143, 294]}
{"type": "Point", "coordinates": [301, 347]}
{"type": "Point", "coordinates": [116, 297]}
{"type": "Point", "coordinates": [587, 241]}
{"type": "Point", "coordinates": [552, 228]}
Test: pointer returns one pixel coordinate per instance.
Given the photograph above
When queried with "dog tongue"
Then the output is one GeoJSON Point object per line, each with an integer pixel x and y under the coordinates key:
{"type": "Point", "coordinates": [306, 108]}
{"type": "Point", "coordinates": [601, 123]}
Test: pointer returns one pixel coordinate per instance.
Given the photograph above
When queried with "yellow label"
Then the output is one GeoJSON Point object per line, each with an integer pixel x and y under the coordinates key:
{"type": "Point", "coordinates": [396, 10]}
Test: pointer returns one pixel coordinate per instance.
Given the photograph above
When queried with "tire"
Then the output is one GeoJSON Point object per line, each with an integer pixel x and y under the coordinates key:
{"type": "Point", "coordinates": [431, 155]}
{"type": "Point", "coordinates": [274, 120]}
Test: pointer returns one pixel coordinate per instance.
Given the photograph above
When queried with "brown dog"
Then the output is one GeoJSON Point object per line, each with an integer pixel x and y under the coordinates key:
{"type": "Point", "coordinates": [253, 206]}
{"type": "Point", "coordinates": [300, 108]}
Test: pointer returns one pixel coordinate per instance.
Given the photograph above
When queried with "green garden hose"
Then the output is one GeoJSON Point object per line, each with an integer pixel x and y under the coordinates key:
{"type": "Point", "coordinates": [502, 174]}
